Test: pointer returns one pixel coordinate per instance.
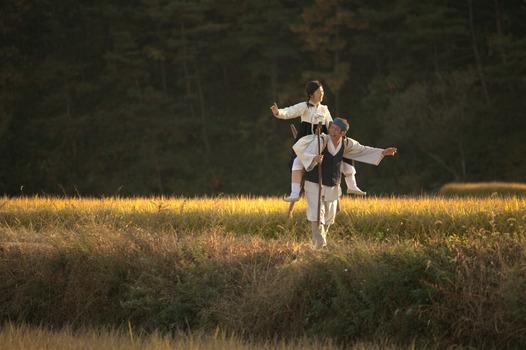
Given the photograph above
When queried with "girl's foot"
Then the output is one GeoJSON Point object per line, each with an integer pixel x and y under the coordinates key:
{"type": "Point", "coordinates": [356, 191]}
{"type": "Point", "coordinates": [291, 198]}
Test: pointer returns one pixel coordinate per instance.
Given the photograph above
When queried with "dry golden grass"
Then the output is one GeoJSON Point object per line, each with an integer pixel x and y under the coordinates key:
{"type": "Point", "coordinates": [380, 218]}
{"type": "Point", "coordinates": [483, 189]}
{"type": "Point", "coordinates": [449, 271]}
{"type": "Point", "coordinates": [35, 338]}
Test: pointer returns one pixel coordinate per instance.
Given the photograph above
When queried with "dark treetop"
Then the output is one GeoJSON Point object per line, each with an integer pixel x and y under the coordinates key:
{"type": "Point", "coordinates": [172, 97]}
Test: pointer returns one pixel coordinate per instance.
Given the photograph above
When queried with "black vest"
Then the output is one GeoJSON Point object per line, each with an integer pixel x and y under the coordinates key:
{"type": "Point", "coordinates": [306, 128]}
{"type": "Point", "coordinates": [330, 168]}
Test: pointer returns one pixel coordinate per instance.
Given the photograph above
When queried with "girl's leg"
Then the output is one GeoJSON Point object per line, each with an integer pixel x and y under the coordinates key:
{"type": "Point", "coordinates": [295, 181]}
{"type": "Point", "coordinates": [350, 180]}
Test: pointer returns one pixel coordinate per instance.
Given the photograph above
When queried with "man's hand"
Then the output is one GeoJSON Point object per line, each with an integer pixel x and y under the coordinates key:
{"type": "Point", "coordinates": [318, 159]}
{"type": "Point", "coordinates": [391, 151]}
{"type": "Point", "coordinates": [274, 109]}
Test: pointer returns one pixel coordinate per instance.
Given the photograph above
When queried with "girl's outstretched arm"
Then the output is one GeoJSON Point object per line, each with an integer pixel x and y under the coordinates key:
{"type": "Point", "coordinates": [288, 112]}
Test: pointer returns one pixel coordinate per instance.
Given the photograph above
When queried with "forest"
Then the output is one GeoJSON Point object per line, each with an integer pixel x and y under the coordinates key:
{"type": "Point", "coordinates": [158, 97]}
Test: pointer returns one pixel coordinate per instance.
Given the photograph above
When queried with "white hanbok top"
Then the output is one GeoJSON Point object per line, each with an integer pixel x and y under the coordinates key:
{"type": "Point", "coordinates": [306, 149]}
{"type": "Point", "coordinates": [313, 114]}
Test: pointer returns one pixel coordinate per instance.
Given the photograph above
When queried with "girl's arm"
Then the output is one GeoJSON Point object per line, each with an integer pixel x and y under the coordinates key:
{"type": "Point", "coordinates": [289, 112]}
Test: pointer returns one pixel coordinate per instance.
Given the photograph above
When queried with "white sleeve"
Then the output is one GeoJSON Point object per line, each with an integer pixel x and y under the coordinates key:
{"type": "Point", "coordinates": [354, 150]}
{"type": "Point", "coordinates": [306, 149]}
{"type": "Point", "coordinates": [328, 117]}
{"type": "Point", "coordinates": [292, 111]}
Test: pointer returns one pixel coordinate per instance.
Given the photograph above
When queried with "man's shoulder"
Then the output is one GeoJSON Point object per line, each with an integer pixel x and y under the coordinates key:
{"type": "Point", "coordinates": [324, 138]}
{"type": "Point", "coordinates": [349, 142]}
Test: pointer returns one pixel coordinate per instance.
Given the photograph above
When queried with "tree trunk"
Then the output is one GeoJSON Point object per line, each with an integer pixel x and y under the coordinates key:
{"type": "Point", "coordinates": [478, 60]}
{"type": "Point", "coordinates": [157, 166]}
{"type": "Point", "coordinates": [73, 144]}
{"type": "Point", "coordinates": [463, 171]}
{"type": "Point", "coordinates": [226, 79]}
{"type": "Point", "coordinates": [5, 120]}
{"type": "Point", "coordinates": [337, 89]}
{"type": "Point", "coordinates": [163, 75]}
{"type": "Point", "coordinates": [273, 78]}
{"type": "Point", "coordinates": [500, 34]}
{"type": "Point", "coordinates": [498, 18]}
{"type": "Point", "coordinates": [203, 117]}
{"type": "Point", "coordinates": [435, 60]}
{"type": "Point", "coordinates": [443, 164]}
{"type": "Point", "coordinates": [186, 72]}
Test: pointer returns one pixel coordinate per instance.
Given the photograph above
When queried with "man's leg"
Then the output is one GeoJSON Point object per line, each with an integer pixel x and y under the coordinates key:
{"type": "Point", "coordinates": [329, 214]}
{"type": "Point", "coordinates": [318, 235]}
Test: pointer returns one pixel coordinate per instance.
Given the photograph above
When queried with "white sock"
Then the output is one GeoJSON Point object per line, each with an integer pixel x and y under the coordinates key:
{"type": "Point", "coordinates": [295, 189]}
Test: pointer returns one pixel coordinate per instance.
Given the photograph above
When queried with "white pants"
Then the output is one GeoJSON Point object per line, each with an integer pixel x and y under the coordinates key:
{"type": "Point", "coordinates": [319, 235]}
{"type": "Point", "coordinates": [348, 169]}
{"type": "Point", "coordinates": [296, 164]}
{"type": "Point", "coordinates": [327, 210]}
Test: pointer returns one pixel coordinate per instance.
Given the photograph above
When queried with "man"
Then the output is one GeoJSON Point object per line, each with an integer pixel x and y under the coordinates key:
{"type": "Point", "coordinates": [334, 148]}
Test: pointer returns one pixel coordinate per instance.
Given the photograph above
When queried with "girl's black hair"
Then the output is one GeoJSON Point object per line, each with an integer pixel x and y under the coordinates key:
{"type": "Point", "coordinates": [311, 87]}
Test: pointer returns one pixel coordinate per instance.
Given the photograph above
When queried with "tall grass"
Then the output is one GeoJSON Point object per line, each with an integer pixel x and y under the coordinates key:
{"type": "Point", "coordinates": [369, 218]}
{"type": "Point", "coordinates": [483, 189]}
{"type": "Point", "coordinates": [448, 271]}
{"type": "Point", "coordinates": [23, 337]}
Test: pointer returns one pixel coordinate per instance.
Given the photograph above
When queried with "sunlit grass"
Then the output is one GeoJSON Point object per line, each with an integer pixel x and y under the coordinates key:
{"type": "Point", "coordinates": [439, 270]}
{"type": "Point", "coordinates": [373, 217]}
{"type": "Point", "coordinates": [484, 189]}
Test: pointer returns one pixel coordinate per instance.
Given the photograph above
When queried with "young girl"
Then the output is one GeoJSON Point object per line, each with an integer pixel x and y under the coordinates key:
{"type": "Point", "coordinates": [311, 112]}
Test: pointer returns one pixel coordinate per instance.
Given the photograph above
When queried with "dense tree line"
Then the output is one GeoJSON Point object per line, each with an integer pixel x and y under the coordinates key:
{"type": "Point", "coordinates": [172, 97]}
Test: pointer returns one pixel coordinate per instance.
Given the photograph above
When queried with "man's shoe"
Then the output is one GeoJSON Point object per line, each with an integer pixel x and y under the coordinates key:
{"type": "Point", "coordinates": [290, 199]}
{"type": "Point", "coordinates": [356, 191]}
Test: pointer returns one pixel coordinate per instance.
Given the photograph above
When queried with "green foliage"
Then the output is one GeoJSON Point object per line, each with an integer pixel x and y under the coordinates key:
{"type": "Point", "coordinates": [172, 97]}
{"type": "Point", "coordinates": [365, 294]}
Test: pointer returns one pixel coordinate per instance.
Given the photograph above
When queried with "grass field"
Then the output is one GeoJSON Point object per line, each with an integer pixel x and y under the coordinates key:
{"type": "Point", "coordinates": [483, 189]}
{"type": "Point", "coordinates": [22, 337]}
{"type": "Point", "coordinates": [425, 271]}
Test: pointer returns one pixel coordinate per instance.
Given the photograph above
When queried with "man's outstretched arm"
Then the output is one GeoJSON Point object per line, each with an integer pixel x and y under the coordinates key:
{"type": "Point", "coordinates": [366, 154]}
